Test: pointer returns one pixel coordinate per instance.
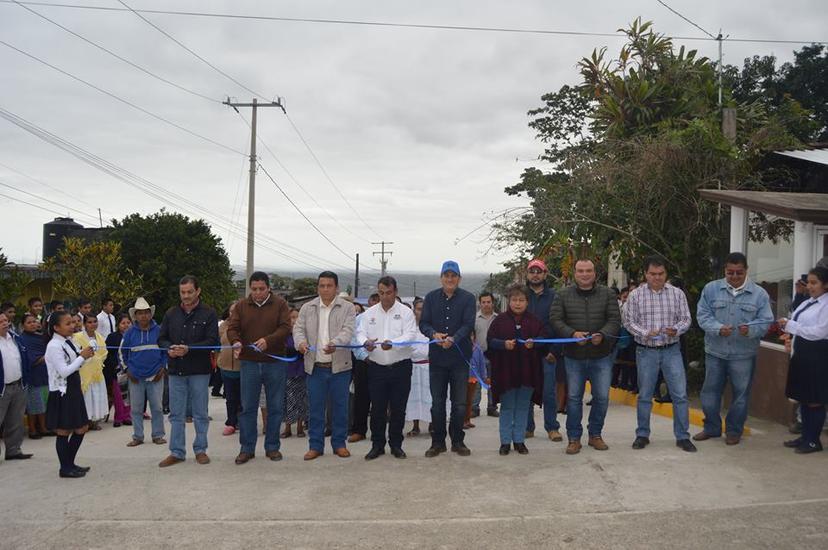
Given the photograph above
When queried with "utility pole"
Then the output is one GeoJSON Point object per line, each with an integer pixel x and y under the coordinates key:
{"type": "Point", "coordinates": [356, 278]}
{"type": "Point", "coordinates": [381, 254]}
{"type": "Point", "coordinates": [251, 199]}
{"type": "Point", "coordinates": [720, 39]}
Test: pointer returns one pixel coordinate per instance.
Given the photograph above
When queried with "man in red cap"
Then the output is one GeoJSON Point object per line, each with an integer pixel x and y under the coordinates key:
{"type": "Point", "coordinates": [541, 297]}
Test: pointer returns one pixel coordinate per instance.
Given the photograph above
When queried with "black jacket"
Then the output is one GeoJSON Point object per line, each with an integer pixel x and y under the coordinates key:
{"type": "Point", "coordinates": [197, 328]}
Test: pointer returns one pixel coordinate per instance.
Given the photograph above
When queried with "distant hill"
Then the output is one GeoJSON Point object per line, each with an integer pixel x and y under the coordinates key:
{"type": "Point", "coordinates": [408, 282]}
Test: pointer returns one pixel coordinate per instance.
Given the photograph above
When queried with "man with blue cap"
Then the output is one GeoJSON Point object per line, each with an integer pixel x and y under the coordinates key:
{"type": "Point", "coordinates": [448, 316]}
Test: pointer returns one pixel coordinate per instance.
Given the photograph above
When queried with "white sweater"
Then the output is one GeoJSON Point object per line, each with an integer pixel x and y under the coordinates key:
{"type": "Point", "coordinates": [61, 361]}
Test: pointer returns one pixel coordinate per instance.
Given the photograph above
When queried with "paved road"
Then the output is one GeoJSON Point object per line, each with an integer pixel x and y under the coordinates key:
{"type": "Point", "coordinates": [755, 495]}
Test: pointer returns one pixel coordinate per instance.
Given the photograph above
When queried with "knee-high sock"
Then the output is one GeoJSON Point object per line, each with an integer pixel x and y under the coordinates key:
{"type": "Point", "coordinates": [62, 447]}
{"type": "Point", "coordinates": [74, 444]}
{"type": "Point", "coordinates": [816, 420]}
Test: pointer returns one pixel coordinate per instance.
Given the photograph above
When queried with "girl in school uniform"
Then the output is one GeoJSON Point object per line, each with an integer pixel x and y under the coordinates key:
{"type": "Point", "coordinates": [807, 337]}
{"type": "Point", "coordinates": [66, 411]}
{"type": "Point", "coordinates": [93, 382]}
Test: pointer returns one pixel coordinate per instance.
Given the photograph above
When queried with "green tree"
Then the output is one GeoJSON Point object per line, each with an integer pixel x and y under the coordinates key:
{"type": "Point", "coordinates": [304, 286]}
{"type": "Point", "coordinates": [13, 280]}
{"type": "Point", "coordinates": [94, 270]}
{"type": "Point", "coordinates": [629, 147]}
{"type": "Point", "coordinates": [165, 246]}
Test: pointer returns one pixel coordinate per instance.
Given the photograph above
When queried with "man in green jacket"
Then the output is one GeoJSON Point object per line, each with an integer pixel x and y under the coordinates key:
{"type": "Point", "coordinates": [589, 311]}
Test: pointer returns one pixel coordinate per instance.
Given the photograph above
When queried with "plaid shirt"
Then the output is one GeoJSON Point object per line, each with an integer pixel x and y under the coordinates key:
{"type": "Point", "coordinates": [646, 311]}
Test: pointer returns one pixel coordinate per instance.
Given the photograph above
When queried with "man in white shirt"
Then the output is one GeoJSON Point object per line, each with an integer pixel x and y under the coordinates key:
{"type": "Point", "coordinates": [389, 366]}
{"type": "Point", "coordinates": [106, 321]}
{"type": "Point", "coordinates": [14, 377]}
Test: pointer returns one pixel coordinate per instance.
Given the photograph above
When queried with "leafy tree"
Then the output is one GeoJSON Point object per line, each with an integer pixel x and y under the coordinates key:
{"type": "Point", "coordinates": [165, 246]}
{"type": "Point", "coordinates": [304, 286]}
{"type": "Point", "coordinates": [280, 282]}
{"type": "Point", "coordinates": [95, 270]}
{"type": "Point", "coordinates": [629, 147]}
{"type": "Point", "coordinates": [13, 280]}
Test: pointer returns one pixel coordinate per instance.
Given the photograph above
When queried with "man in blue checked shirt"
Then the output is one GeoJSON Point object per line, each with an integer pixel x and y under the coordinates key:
{"type": "Point", "coordinates": [448, 315]}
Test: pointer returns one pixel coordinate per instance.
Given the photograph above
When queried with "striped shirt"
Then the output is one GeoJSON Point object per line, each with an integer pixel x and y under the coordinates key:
{"type": "Point", "coordinates": [647, 311]}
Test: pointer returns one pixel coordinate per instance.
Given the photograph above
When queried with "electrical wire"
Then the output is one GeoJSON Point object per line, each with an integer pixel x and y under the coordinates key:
{"type": "Point", "coordinates": [171, 37]}
{"type": "Point", "coordinates": [44, 199]}
{"type": "Point", "coordinates": [328, 177]}
{"type": "Point", "coordinates": [686, 19]}
{"type": "Point", "coordinates": [392, 24]}
{"type": "Point", "coordinates": [120, 58]}
{"type": "Point", "coordinates": [32, 204]}
{"type": "Point", "coordinates": [122, 100]}
{"type": "Point", "coordinates": [161, 194]}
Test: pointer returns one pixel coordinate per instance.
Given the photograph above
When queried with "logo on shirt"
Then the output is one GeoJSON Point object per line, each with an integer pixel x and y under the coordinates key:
{"type": "Point", "coordinates": [372, 321]}
{"type": "Point", "coordinates": [397, 316]}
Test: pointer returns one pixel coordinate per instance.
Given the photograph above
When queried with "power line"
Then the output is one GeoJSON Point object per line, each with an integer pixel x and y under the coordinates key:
{"type": "Point", "coordinates": [302, 187]}
{"type": "Point", "coordinates": [161, 194]}
{"type": "Point", "coordinates": [328, 177]}
{"type": "Point", "coordinates": [171, 37]}
{"type": "Point", "coordinates": [391, 24]}
{"type": "Point", "coordinates": [116, 56]}
{"type": "Point", "coordinates": [686, 19]}
{"type": "Point", "coordinates": [120, 99]}
{"type": "Point", "coordinates": [43, 199]}
{"type": "Point", "coordinates": [32, 204]}
{"type": "Point", "coordinates": [307, 219]}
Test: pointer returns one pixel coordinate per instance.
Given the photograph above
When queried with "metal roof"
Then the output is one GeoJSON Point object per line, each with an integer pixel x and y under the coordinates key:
{"type": "Point", "coordinates": [803, 207]}
{"type": "Point", "coordinates": [817, 156]}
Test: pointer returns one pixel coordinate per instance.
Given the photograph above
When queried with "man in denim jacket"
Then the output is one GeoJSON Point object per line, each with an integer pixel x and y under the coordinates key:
{"type": "Point", "coordinates": [735, 314]}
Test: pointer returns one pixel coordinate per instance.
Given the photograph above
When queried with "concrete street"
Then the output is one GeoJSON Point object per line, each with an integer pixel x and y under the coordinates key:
{"type": "Point", "coordinates": [754, 495]}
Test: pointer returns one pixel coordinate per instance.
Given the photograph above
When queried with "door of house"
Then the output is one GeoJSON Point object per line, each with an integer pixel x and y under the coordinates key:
{"type": "Point", "coordinates": [821, 243]}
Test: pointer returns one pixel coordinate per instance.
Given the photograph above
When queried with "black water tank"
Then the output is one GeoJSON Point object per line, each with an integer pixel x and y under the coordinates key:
{"type": "Point", "coordinates": [54, 232]}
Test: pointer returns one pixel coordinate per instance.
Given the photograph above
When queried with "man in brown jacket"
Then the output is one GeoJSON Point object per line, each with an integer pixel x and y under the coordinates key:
{"type": "Point", "coordinates": [257, 328]}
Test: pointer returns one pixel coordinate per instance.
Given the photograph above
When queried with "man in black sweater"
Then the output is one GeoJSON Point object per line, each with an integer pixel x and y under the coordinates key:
{"type": "Point", "coordinates": [188, 325]}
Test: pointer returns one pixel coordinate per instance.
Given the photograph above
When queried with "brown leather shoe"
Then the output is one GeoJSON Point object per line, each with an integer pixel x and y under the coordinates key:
{"type": "Point", "coordinates": [342, 452]}
{"type": "Point", "coordinates": [733, 439]}
{"type": "Point", "coordinates": [202, 458]}
{"type": "Point", "coordinates": [597, 443]}
{"type": "Point", "coordinates": [159, 440]}
{"type": "Point", "coordinates": [312, 454]}
{"type": "Point", "coordinates": [354, 437]}
{"type": "Point", "coordinates": [703, 436]}
{"type": "Point", "coordinates": [274, 455]}
{"type": "Point", "coordinates": [555, 435]}
{"type": "Point", "coordinates": [574, 447]}
{"type": "Point", "coordinates": [169, 461]}
{"type": "Point", "coordinates": [244, 457]}
{"type": "Point", "coordinates": [135, 442]}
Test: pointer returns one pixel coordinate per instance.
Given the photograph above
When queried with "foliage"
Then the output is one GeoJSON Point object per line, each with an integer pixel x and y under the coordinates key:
{"type": "Point", "coordinates": [13, 280]}
{"type": "Point", "coordinates": [94, 270]}
{"type": "Point", "coordinates": [165, 246]}
{"type": "Point", "coordinates": [304, 286]}
{"type": "Point", "coordinates": [629, 148]}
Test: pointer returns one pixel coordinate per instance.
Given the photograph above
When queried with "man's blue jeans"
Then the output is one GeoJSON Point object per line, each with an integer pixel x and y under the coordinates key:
{"type": "Point", "coordinates": [324, 385]}
{"type": "Point", "coordinates": [441, 379]}
{"type": "Point", "coordinates": [716, 373]}
{"type": "Point", "coordinates": [514, 405]}
{"type": "Point", "coordinates": [599, 373]}
{"type": "Point", "coordinates": [667, 360]}
{"type": "Point", "coordinates": [153, 393]}
{"type": "Point", "coordinates": [254, 375]}
{"type": "Point", "coordinates": [550, 401]}
{"type": "Point", "coordinates": [191, 390]}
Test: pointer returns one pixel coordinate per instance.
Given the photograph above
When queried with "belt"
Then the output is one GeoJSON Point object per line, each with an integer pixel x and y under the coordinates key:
{"type": "Point", "coordinates": [403, 363]}
{"type": "Point", "coordinates": [659, 347]}
{"type": "Point", "coordinates": [327, 365]}
{"type": "Point", "coordinates": [15, 383]}
{"type": "Point", "coordinates": [423, 362]}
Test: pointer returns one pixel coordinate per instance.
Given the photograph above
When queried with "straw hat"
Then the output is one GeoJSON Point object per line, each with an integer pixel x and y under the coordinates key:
{"type": "Point", "coordinates": [140, 305]}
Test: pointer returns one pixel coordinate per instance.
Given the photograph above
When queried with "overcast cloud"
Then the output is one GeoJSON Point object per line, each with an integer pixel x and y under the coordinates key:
{"type": "Point", "coordinates": [420, 128]}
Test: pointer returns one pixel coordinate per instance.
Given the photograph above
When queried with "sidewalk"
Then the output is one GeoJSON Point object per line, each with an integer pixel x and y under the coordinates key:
{"type": "Point", "coordinates": [754, 495]}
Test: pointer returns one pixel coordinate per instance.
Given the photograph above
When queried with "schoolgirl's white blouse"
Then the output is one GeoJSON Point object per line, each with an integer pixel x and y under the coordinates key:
{"type": "Point", "coordinates": [61, 361]}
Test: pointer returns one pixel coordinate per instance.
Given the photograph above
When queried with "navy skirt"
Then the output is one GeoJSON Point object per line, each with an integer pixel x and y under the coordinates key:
{"type": "Point", "coordinates": [67, 411]}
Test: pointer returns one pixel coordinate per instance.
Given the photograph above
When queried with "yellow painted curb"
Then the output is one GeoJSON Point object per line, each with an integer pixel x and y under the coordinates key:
{"type": "Point", "coordinates": [630, 399]}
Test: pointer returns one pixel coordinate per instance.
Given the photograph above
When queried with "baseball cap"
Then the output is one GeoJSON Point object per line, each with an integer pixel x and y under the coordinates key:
{"type": "Point", "coordinates": [537, 263]}
{"type": "Point", "coordinates": [450, 265]}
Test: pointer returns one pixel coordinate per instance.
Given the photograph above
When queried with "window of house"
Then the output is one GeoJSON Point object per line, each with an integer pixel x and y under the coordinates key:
{"type": "Point", "coordinates": [771, 267]}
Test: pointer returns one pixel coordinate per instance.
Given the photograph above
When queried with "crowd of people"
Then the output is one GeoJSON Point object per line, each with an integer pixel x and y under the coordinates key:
{"type": "Point", "coordinates": [331, 365]}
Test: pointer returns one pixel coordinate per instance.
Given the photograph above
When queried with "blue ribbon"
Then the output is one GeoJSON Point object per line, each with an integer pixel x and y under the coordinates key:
{"type": "Point", "coordinates": [277, 357]}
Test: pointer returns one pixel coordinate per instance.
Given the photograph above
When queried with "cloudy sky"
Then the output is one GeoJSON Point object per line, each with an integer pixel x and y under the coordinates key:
{"type": "Point", "coordinates": [421, 129]}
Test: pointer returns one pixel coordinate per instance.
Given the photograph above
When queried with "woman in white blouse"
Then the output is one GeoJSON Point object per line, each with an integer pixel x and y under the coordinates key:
{"type": "Point", "coordinates": [66, 410]}
{"type": "Point", "coordinates": [807, 338]}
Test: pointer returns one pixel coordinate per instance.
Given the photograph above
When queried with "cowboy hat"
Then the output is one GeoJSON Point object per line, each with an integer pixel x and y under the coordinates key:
{"type": "Point", "coordinates": [141, 304]}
